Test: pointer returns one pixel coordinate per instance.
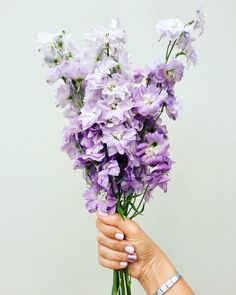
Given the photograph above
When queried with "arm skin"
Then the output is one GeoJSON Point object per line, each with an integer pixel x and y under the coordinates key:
{"type": "Point", "coordinates": [145, 260]}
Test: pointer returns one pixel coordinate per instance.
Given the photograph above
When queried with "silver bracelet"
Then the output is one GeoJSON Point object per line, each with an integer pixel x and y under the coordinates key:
{"type": "Point", "coordinates": [170, 283]}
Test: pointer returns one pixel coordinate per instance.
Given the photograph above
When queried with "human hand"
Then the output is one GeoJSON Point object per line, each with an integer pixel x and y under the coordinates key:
{"type": "Point", "coordinates": [123, 242]}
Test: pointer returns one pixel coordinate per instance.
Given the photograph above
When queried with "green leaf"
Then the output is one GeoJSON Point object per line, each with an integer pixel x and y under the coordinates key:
{"type": "Point", "coordinates": [179, 54]}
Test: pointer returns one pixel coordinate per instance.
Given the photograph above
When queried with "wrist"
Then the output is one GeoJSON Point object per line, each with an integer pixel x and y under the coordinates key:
{"type": "Point", "coordinates": [157, 272]}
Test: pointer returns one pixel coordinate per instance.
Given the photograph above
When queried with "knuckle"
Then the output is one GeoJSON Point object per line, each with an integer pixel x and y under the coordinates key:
{"type": "Point", "coordinates": [119, 256]}
{"type": "Point", "coordinates": [123, 257]}
{"type": "Point", "coordinates": [117, 246]}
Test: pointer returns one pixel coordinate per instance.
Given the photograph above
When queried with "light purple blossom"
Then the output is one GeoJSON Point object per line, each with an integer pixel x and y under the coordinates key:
{"type": "Point", "coordinates": [154, 150]}
{"type": "Point", "coordinates": [97, 198]}
{"type": "Point", "coordinates": [158, 177]}
{"type": "Point", "coordinates": [172, 105]}
{"type": "Point", "coordinates": [115, 110]}
{"type": "Point", "coordinates": [149, 100]}
{"type": "Point", "coordinates": [170, 28]}
{"type": "Point", "coordinates": [115, 87]}
{"type": "Point", "coordinates": [53, 75]}
{"type": "Point", "coordinates": [70, 70]}
{"type": "Point", "coordinates": [63, 95]}
{"type": "Point", "coordinates": [119, 139]}
{"type": "Point", "coordinates": [89, 115]}
{"type": "Point", "coordinates": [169, 74]}
{"type": "Point", "coordinates": [111, 168]}
{"type": "Point", "coordinates": [185, 44]}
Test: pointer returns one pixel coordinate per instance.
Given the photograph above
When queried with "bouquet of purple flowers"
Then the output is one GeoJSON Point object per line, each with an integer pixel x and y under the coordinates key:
{"type": "Point", "coordinates": [115, 130]}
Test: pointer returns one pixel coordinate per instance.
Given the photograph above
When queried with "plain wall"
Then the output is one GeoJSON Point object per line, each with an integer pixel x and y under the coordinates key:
{"type": "Point", "coordinates": [47, 238]}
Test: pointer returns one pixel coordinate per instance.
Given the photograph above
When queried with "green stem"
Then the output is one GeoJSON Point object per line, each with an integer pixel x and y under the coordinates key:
{"type": "Point", "coordinates": [127, 282]}
{"type": "Point", "coordinates": [161, 111]}
{"type": "Point", "coordinates": [108, 49]}
{"type": "Point", "coordinates": [167, 51]}
{"type": "Point", "coordinates": [133, 202]}
{"type": "Point", "coordinates": [140, 203]}
{"type": "Point", "coordinates": [122, 282]}
{"type": "Point", "coordinates": [172, 47]}
{"type": "Point", "coordinates": [115, 282]}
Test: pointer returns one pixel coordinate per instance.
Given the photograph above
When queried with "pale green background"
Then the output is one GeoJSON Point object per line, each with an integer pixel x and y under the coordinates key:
{"type": "Point", "coordinates": [47, 239]}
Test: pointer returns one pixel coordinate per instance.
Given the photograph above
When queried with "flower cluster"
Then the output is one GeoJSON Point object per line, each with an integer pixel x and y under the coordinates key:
{"type": "Point", "coordinates": [115, 131]}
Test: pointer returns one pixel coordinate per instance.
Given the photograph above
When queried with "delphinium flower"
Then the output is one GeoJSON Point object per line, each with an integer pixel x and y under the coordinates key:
{"type": "Point", "coordinates": [98, 198]}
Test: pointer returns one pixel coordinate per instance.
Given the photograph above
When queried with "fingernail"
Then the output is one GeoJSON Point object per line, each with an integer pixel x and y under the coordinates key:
{"type": "Point", "coordinates": [102, 213]}
{"type": "Point", "coordinates": [124, 264]}
{"type": "Point", "coordinates": [132, 257]}
{"type": "Point", "coordinates": [129, 249]}
{"type": "Point", "coordinates": [119, 236]}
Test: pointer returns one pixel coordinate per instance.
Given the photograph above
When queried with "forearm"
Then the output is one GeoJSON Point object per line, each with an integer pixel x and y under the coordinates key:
{"type": "Point", "coordinates": [158, 272]}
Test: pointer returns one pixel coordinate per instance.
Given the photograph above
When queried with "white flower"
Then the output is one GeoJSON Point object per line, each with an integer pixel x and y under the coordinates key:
{"type": "Point", "coordinates": [170, 28]}
{"type": "Point", "coordinates": [46, 40]}
{"type": "Point", "coordinates": [115, 35]}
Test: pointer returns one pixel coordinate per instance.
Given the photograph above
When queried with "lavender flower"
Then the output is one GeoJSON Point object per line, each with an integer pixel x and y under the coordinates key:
{"type": "Point", "coordinates": [111, 168]}
{"type": "Point", "coordinates": [170, 28]}
{"type": "Point", "coordinates": [119, 139]}
{"type": "Point", "coordinates": [154, 150]}
{"type": "Point", "coordinates": [63, 95]}
{"type": "Point", "coordinates": [149, 100]}
{"type": "Point", "coordinates": [115, 132]}
{"type": "Point", "coordinates": [97, 198]}
{"type": "Point", "coordinates": [169, 74]}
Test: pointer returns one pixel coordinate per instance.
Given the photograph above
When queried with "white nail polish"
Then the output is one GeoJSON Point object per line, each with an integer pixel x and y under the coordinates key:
{"type": "Point", "coordinates": [124, 264]}
{"type": "Point", "coordinates": [119, 236]}
{"type": "Point", "coordinates": [129, 249]}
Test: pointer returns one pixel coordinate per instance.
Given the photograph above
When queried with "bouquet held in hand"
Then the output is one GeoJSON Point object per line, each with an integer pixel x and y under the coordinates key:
{"type": "Point", "coordinates": [115, 130]}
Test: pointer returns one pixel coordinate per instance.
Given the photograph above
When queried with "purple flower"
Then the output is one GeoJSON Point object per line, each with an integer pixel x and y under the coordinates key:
{"type": "Point", "coordinates": [111, 168]}
{"type": "Point", "coordinates": [89, 115]}
{"type": "Point", "coordinates": [172, 105]}
{"type": "Point", "coordinates": [185, 44]}
{"type": "Point", "coordinates": [70, 69]}
{"type": "Point", "coordinates": [115, 110]}
{"type": "Point", "coordinates": [69, 141]}
{"type": "Point", "coordinates": [95, 153]}
{"type": "Point", "coordinates": [147, 72]}
{"type": "Point", "coordinates": [158, 177]}
{"type": "Point", "coordinates": [116, 86]}
{"type": "Point", "coordinates": [97, 198]}
{"type": "Point", "coordinates": [149, 100]}
{"type": "Point", "coordinates": [63, 95]}
{"type": "Point", "coordinates": [119, 139]}
{"type": "Point", "coordinates": [132, 182]}
{"type": "Point", "coordinates": [91, 146]}
{"type": "Point", "coordinates": [169, 74]}
{"type": "Point", "coordinates": [154, 150]}
{"type": "Point", "coordinates": [53, 75]}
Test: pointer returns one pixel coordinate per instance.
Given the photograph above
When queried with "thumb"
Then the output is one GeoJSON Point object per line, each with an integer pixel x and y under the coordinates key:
{"type": "Point", "coordinates": [127, 226]}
